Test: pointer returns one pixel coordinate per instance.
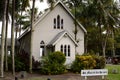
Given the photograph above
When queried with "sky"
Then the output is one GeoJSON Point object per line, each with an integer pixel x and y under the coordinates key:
{"type": "Point", "coordinates": [41, 6]}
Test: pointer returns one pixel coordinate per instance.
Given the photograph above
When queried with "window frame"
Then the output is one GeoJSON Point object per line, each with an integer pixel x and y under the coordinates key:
{"type": "Point", "coordinates": [42, 47]}
{"type": "Point", "coordinates": [66, 49]}
{"type": "Point", "coordinates": [58, 22]}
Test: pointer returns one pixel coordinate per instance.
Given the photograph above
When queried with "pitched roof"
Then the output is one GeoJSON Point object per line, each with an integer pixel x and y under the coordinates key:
{"type": "Point", "coordinates": [38, 19]}
{"type": "Point", "coordinates": [68, 11]}
{"type": "Point", "coordinates": [59, 36]}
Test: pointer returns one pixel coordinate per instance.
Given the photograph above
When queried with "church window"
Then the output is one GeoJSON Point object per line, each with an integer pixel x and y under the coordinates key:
{"type": "Point", "coordinates": [66, 50]}
{"type": "Point", "coordinates": [61, 23]}
{"type": "Point", "coordinates": [42, 48]}
{"type": "Point", "coordinates": [58, 21]}
{"type": "Point", "coordinates": [54, 23]}
{"type": "Point", "coordinates": [61, 48]}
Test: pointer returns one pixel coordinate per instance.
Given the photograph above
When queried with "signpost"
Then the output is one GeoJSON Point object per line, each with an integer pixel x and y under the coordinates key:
{"type": "Point", "coordinates": [94, 72]}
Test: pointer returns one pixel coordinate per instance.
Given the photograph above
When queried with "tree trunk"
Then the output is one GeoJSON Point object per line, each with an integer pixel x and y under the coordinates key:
{"type": "Point", "coordinates": [86, 42]}
{"type": "Point", "coordinates": [32, 22]}
{"type": "Point", "coordinates": [104, 42]}
{"type": "Point", "coordinates": [3, 41]}
{"type": "Point", "coordinates": [75, 22]}
{"type": "Point", "coordinates": [20, 24]}
{"type": "Point", "coordinates": [12, 37]}
{"type": "Point", "coordinates": [104, 48]}
{"type": "Point", "coordinates": [113, 45]}
{"type": "Point", "coordinates": [6, 40]}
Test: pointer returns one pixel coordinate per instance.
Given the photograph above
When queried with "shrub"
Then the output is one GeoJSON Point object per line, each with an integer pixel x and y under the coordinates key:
{"type": "Point", "coordinates": [83, 62]}
{"type": "Point", "coordinates": [87, 62]}
{"type": "Point", "coordinates": [22, 62]}
{"type": "Point", "coordinates": [54, 63]}
{"type": "Point", "coordinates": [100, 62]}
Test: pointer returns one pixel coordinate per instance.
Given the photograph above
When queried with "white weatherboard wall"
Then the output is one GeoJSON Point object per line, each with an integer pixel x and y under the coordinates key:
{"type": "Point", "coordinates": [80, 38]}
{"type": "Point", "coordinates": [65, 40]}
{"type": "Point", "coordinates": [44, 30]}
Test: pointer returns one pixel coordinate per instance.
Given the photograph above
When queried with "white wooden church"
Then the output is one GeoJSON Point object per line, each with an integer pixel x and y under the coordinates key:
{"type": "Point", "coordinates": [54, 31]}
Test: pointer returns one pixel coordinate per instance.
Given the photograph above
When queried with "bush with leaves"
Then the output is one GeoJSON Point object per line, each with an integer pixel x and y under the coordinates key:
{"type": "Point", "coordinates": [22, 62]}
{"type": "Point", "coordinates": [100, 62]}
{"type": "Point", "coordinates": [83, 62]}
{"type": "Point", "coordinates": [53, 63]}
{"type": "Point", "coordinates": [87, 62]}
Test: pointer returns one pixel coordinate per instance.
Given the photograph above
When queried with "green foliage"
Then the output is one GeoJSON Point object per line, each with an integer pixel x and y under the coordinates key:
{"type": "Point", "coordinates": [100, 62]}
{"type": "Point", "coordinates": [53, 63]}
{"type": "Point", "coordinates": [87, 62]}
{"type": "Point", "coordinates": [57, 57]}
{"type": "Point", "coordinates": [83, 62]}
{"type": "Point", "coordinates": [22, 62]}
{"type": "Point", "coordinates": [88, 12]}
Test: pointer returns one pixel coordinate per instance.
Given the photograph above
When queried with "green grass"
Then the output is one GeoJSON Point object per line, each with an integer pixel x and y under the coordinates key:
{"type": "Point", "coordinates": [111, 75]}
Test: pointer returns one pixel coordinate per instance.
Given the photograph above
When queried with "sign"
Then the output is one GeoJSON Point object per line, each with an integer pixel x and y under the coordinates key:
{"type": "Point", "coordinates": [94, 72]}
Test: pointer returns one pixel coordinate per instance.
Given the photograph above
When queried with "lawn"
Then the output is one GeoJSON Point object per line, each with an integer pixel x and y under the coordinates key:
{"type": "Point", "coordinates": [111, 69]}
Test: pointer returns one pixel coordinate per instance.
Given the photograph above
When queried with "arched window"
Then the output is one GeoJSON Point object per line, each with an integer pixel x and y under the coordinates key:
{"type": "Point", "coordinates": [65, 50]}
{"type": "Point", "coordinates": [58, 21]}
{"type": "Point", "coordinates": [42, 42]}
{"type": "Point", "coordinates": [42, 48]}
{"type": "Point", "coordinates": [61, 48]}
{"type": "Point", "coordinates": [61, 23]}
{"type": "Point", "coordinates": [68, 50]}
{"type": "Point", "coordinates": [54, 23]}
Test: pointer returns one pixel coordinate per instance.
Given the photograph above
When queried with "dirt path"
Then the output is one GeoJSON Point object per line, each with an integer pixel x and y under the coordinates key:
{"type": "Point", "coordinates": [67, 76]}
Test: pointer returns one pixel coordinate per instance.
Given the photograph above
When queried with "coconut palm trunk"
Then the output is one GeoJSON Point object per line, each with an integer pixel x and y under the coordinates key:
{"type": "Point", "coordinates": [6, 40]}
{"type": "Point", "coordinates": [12, 37]}
{"type": "Point", "coordinates": [113, 44]}
{"type": "Point", "coordinates": [32, 22]}
{"type": "Point", "coordinates": [3, 41]}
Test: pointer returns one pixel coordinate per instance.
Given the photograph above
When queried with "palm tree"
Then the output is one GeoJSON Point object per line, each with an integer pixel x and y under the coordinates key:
{"type": "Point", "coordinates": [31, 26]}
{"type": "Point", "coordinates": [26, 23]}
{"type": "Point", "coordinates": [3, 40]}
{"type": "Point", "coordinates": [9, 11]}
{"type": "Point", "coordinates": [6, 38]}
{"type": "Point", "coordinates": [12, 37]}
{"type": "Point", "coordinates": [22, 8]}
{"type": "Point", "coordinates": [110, 16]}
{"type": "Point", "coordinates": [51, 2]}
{"type": "Point", "coordinates": [32, 22]}
{"type": "Point", "coordinates": [89, 14]}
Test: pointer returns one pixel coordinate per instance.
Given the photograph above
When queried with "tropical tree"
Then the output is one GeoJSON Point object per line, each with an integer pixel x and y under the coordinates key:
{"type": "Point", "coordinates": [6, 37]}
{"type": "Point", "coordinates": [32, 22]}
{"type": "Point", "coordinates": [24, 20]}
{"type": "Point", "coordinates": [12, 37]}
{"type": "Point", "coordinates": [9, 11]}
{"type": "Point", "coordinates": [89, 14]}
{"type": "Point", "coordinates": [3, 40]}
{"type": "Point", "coordinates": [31, 27]}
{"type": "Point", "coordinates": [22, 5]}
{"type": "Point", "coordinates": [110, 20]}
